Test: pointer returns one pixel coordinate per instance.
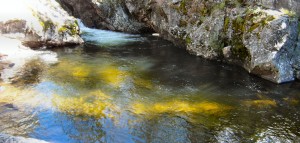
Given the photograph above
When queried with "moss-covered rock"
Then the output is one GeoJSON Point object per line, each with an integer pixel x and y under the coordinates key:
{"type": "Point", "coordinates": [256, 34]}
{"type": "Point", "coordinates": [39, 23]}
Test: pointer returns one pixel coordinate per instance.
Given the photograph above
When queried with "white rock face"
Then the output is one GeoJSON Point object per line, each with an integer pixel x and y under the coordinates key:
{"type": "Point", "coordinates": [38, 23]}
{"type": "Point", "coordinates": [33, 23]}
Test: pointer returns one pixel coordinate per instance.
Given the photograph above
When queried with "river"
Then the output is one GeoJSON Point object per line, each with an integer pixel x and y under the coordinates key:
{"type": "Point", "coordinates": [140, 88]}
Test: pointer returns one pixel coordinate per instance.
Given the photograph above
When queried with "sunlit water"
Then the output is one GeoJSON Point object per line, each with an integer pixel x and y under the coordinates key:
{"type": "Point", "coordinates": [132, 88]}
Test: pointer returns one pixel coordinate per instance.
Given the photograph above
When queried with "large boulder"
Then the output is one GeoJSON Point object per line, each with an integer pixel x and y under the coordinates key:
{"type": "Point", "coordinates": [291, 5]}
{"type": "Point", "coordinates": [38, 23]}
{"type": "Point", "coordinates": [264, 42]}
{"type": "Point", "coordinates": [106, 14]}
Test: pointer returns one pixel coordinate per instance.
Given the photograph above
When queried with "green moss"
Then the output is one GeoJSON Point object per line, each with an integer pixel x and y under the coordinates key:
{"type": "Point", "coordinates": [288, 12]}
{"type": "Point", "coordinates": [44, 22]}
{"type": "Point", "coordinates": [62, 29]}
{"type": "Point", "coordinates": [253, 27]}
{"type": "Point", "coordinates": [239, 19]}
{"type": "Point", "coordinates": [188, 40]}
{"type": "Point", "coordinates": [251, 20]}
{"type": "Point", "coordinates": [182, 7]}
{"type": "Point", "coordinates": [257, 18]}
{"type": "Point", "coordinates": [222, 5]}
{"type": "Point", "coordinates": [266, 20]}
{"type": "Point", "coordinates": [76, 23]}
{"type": "Point", "coordinates": [47, 25]}
{"type": "Point", "coordinates": [72, 28]}
{"type": "Point", "coordinates": [238, 25]}
{"type": "Point", "coordinates": [226, 23]}
{"type": "Point", "coordinates": [182, 23]}
{"type": "Point", "coordinates": [201, 20]}
{"type": "Point", "coordinates": [239, 51]}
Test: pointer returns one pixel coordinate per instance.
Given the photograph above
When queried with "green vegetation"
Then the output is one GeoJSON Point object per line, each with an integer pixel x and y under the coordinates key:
{"type": "Point", "coordinates": [242, 24]}
{"type": "Point", "coordinates": [47, 25]}
{"type": "Point", "coordinates": [182, 23]}
{"type": "Point", "coordinates": [44, 22]}
{"type": "Point", "coordinates": [288, 12]}
{"type": "Point", "coordinates": [188, 40]}
{"type": "Point", "coordinates": [226, 23]}
{"type": "Point", "coordinates": [182, 7]}
{"type": "Point", "coordinates": [71, 28]}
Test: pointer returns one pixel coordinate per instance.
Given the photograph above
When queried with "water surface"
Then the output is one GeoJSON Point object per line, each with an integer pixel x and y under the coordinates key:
{"type": "Point", "coordinates": [132, 88]}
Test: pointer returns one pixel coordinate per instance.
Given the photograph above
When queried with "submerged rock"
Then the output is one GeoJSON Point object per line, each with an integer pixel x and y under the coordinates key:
{"type": "Point", "coordinates": [38, 23]}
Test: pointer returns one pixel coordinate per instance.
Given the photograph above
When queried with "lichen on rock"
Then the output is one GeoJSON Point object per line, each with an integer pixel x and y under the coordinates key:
{"type": "Point", "coordinates": [37, 23]}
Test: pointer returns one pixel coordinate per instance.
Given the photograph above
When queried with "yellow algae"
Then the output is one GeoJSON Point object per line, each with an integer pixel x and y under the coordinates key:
{"type": "Point", "coordinates": [139, 108]}
{"type": "Point", "coordinates": [260, 96]}
{"type": "Point", "coordinates": [208, 108]}
{"type": "Point", "coordinates": [143, 83]}
{"type": "Point", "coordinates": [91, 104]}
{"type": "Point", "coordinates": [211, 107]}
{"type": "Point", "coordinates": [100, 95]}
{"type": "Point", "coordinates": [291, 101]}
{"type": "Point", "coordinates": [261, 103]}
{"type": "Point", "coordinates": [80, 72]}
{"type": "Point", "coordinates": [113, 76]}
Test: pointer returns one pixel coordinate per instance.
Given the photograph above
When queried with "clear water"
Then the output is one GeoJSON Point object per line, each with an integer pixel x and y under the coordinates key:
{"type": "Point", "coordinates": [131, 88]}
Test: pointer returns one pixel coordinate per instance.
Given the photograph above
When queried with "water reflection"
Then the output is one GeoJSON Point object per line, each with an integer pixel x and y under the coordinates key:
{"type": "Point", "coordinates": [146, 90]}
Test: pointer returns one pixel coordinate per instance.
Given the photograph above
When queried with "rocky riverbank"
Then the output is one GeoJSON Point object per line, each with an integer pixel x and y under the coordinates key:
{"type": "Point", "coordinates": [13, 139]}
{"type": "Point", "coordinates": [33, 24]}
{"type": "Point", "coordinates": [261, 36]}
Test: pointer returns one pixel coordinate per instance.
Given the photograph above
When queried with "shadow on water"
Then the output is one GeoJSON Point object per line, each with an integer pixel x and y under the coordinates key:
{"type": "Point", "coordinates": [132, 88]}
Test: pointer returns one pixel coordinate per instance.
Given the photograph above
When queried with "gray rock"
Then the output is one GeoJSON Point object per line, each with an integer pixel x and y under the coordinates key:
{"type": "Point", "coordinates": [261, 38]}
{"type": "Point", "coordinates": [291, 5]}
{"type": "Point", "coordinates": [107, 14]}
{"type": "Point", "coordinates": [271, 49]}
{"type": "Point", "coordinates": [4, 138]}
{"type": "Point", "coordinates": [227, 52]}
{"type": "Point", "coordinates": [45, 25]}
{"type": "Point", "coordinates": [176, 1]}
{"type": "Point", "coordinates": [208, 45]}
{"type": "Point", "coordinates": [296, 59]}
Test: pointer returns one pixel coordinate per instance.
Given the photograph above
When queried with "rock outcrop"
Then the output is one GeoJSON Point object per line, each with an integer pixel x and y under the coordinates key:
{"type": "Point", "coordinates": [109, 14]}
{"type": "Point", "coordinates": [34, 24]}
{"type": "Point", "coordinates": [38, 23]}
{"type": "Point", "coordinates": [260, 36]}
{"type": "Point", "coordinates": [4, 138]}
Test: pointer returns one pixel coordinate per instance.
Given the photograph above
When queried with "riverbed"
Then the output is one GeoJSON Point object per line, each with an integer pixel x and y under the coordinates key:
{"type": "Point", "coordinates": [140, 88]}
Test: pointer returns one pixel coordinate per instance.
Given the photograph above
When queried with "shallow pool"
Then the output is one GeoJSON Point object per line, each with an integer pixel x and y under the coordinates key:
{"type": "Point", "coordinates": [134, 88]}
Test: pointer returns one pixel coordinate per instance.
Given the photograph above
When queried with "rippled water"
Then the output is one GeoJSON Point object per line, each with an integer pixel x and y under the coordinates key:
{"type": "Point", "coordinates": [133, 88]}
